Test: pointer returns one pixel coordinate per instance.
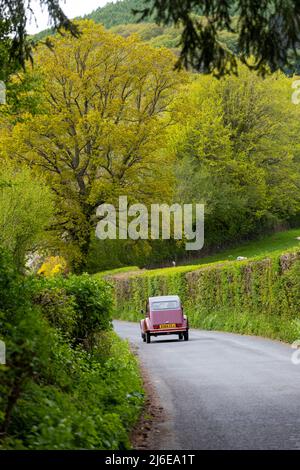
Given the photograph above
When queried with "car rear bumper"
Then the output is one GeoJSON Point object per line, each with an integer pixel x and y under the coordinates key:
{"type": "Point", "coordinates": [167, 331]}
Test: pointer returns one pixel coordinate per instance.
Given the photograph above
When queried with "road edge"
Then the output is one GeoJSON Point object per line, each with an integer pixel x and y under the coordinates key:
{"type": "Point", "coordinates": [147, 432]}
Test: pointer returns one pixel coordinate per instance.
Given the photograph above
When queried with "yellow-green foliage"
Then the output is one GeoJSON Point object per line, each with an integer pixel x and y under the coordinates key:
{"type": "Point", "coordinates": [90, 149]}
{"type": "Point", "coordinates": [251, 297]}
{"type": "Point", "coordinates": [26, 207]}
{"type": "Point", "coordinates": [53, 266]}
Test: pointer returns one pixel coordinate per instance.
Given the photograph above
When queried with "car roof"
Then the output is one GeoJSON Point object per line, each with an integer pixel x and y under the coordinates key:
{"type": "Point", "coordinates": [164, 298]}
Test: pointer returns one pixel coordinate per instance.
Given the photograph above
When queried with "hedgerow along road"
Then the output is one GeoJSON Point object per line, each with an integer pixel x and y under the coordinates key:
{"type": "Point", "coordinates": [222, 390]}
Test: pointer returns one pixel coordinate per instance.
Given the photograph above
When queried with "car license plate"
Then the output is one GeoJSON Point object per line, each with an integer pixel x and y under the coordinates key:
{"type": "Point", "coordinates": [168, 325]}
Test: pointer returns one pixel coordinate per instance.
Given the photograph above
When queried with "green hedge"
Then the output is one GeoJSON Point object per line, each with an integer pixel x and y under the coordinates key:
{"type": "Point", "coordinates": [251, 297]}
{"type": "Point", "coordinates": [57, 392]}
{"type": "Point", "coordinates": [79, 306]}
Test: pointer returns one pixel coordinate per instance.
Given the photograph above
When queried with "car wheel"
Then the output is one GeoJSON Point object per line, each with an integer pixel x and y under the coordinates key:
{"type": "Point", "coordinates": [186, 335]}
{"type": "Point", "coordinates": [148, 337]}
{"type": "Point", "coordinates": [180, 336]}
{"type": "Point", "coordinates": [144, 337]}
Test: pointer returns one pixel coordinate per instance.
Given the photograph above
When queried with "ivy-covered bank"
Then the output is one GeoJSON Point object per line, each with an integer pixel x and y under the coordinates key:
{"type": "Point", "coordinates": [260, 296]}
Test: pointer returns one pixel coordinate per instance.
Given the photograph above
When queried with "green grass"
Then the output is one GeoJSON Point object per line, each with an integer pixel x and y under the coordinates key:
{"type": "Point", "coordinates": [280, 241]}
{"type": "Point", "coordinates": [275, 244]}
{"type": "Point", "coordinates": [111, 272]}
{"type": "Point", "coordinates": [270, 245]}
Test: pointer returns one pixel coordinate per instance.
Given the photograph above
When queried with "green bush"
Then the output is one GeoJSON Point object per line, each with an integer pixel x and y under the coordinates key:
{"type": "Point", "coordinates": [93, 304]}
{"type": "Point", "coordinates": [28, 339]}
{"type": "Point", "coordinates": [55, 394]}
{"type": "Point", "coordinates": [258, 297]}
{"type": "Point", "coordinates": [94, 407]}
{"type": "Point", "coordinates": [80, 306]}
{"type": "Point", "coordinates": [58, 307]}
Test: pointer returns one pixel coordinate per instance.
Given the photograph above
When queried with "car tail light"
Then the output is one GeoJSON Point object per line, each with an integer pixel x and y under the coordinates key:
{"type": "Point", "coordinates": [178, 325]}
{"type": "Point", "coordinates": [155, 326]}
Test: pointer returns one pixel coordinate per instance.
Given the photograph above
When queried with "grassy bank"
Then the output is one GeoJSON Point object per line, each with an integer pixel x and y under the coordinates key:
{"type": "Point", "coordinates": [274, 244]}
{"type": "Point", "coordinates": [258, 296]}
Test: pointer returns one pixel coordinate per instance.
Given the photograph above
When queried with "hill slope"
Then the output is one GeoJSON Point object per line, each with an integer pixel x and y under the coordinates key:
{"type": "Point", "coordinates": [117, 13]}
{"type": "Point", "coordinates": [119, 17]}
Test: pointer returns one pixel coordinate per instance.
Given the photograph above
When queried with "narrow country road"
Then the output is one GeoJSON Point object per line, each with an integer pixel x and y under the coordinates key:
{"type": "Point", "coordinates": [221, 390]}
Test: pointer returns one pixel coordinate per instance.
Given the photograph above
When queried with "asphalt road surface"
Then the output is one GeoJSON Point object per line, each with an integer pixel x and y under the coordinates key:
{"type": "Point", "coordinates": [222, 390]}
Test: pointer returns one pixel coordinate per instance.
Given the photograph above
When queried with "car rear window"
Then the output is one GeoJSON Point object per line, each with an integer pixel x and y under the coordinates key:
{"type": "Point", "coordinates": [165, 305]}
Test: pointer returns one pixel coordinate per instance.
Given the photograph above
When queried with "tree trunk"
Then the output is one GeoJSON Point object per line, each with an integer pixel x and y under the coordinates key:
{"type": "Point", "coordinates": [81, 234]}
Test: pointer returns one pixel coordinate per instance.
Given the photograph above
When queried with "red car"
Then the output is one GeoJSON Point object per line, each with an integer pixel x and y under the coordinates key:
{"type": "Point", "coordinates": [164, 316]}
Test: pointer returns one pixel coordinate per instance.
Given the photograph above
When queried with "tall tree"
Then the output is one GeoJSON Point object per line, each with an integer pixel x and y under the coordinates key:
{"type": "Point", "coordinates": [236, 145]}
{"type": "Point", "coordinates": [101, 128]}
